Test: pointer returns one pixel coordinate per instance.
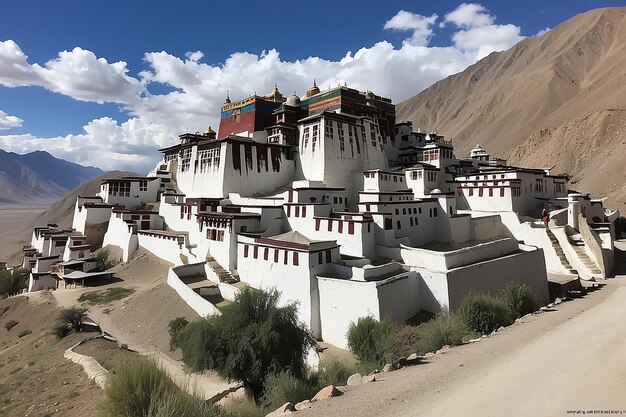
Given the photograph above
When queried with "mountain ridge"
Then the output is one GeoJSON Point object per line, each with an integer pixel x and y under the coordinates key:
{"type": "Point", "coordinates": [562, 87]}
{"type": "Point", "coordinates": [39, 176]}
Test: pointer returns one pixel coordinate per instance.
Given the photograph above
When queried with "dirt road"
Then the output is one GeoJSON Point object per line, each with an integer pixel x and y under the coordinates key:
{"type": "Point", "coordinates": [570, 359]}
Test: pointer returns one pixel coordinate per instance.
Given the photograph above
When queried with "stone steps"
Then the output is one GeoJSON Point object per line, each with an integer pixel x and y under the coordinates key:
{"type": "Point", "coordinates": [559, 252]}
{"type": "Point", "coordinates": [224, 275]}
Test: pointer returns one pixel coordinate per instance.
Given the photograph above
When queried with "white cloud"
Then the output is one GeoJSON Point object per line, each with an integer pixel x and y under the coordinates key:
{"type": "Point", "coordinates": [9, 122]}
{"type": "Point", "coordinates": [468, 15]}
{"type": "Point", "coordinates": [478, 33]}
{"type": "Point", "coordinates": [199, 88]}
{"type": "Point", "coordinates": [78, 74]}
{"type": "Point", "coordinates": [418, 24]}
{"type": "Point", "coordinates": [542, 31]}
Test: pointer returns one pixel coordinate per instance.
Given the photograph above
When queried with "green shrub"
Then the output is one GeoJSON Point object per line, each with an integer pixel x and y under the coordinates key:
{"type": "Point", "coordinates": [61, 330]}
{"type": "Point", "coordinates": [371, 340]}
{"type": "Point", "coordinates": [11, 324]}
{"type": "Point", "coordinates": [24, 333]}
{"type": "Point", "coordinates": [14, 281]}
{"type": "Point", "coordinates": [252, 338]}
{"type": "Point", "coordinates": [335, 372]}
{"type": "Point", "coordinates": [520, 298]}
{"type": "Point", "coordinates": [73, 318]}
{"type": "Point", "coordinates": [483, 313]}
{"type": "Point", "coordinates": [140, 388]}
{"type": "Point", "coordinates": [175, 327]}
{"type": "Point", "coordinates": [103, 262]}
{"type": "Point", "coordinates": [284, 387]}
{"type": "Point", "coordinates": [444, 329]}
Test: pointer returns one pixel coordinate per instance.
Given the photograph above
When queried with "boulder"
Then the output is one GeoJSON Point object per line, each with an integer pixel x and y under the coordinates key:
{"type": "Point", "coordinates": [303, 405]}
{"type": "Point", "coordinates": [388, 368]}
{"type": "Point", "coordinates": [413, 359]}
{"type": "Point", "coordinates": [500, 328]}
{"type": "Point", "coordinates": [550, 305]}
{"type": "Point", "coordinates": [369, 378]}
{"type": "Point", "coordinates": [355, 379]}
{"type": "Point", "coordinates": [429, 354]}
{"type": "Point", "coordinates": [544, 308]}
{"type": "Point", "coordinates": [557, 301]}
{"type": "Point", "coordinates": [327, 392]}
{"type": "Point", "coordinates": [286, 408]}
{"type": "Point", "coordinates": [443, 350]}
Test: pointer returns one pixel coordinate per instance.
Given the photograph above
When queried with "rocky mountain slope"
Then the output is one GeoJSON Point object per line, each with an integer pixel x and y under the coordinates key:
{"type": "Point", "coordinates": [555, 101]}
{"type": "Point", "coordinates": [39, 176]}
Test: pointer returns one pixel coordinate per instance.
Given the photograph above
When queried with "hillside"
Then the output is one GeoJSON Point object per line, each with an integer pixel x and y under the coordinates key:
{"type": "Point", "coordinates": [555, 101]}
{"type": "Point", "coordinates": [39, 176]}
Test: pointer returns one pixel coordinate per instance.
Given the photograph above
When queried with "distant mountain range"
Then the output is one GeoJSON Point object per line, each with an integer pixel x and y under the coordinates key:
{"type": "Point", "coordinates": [555, 101]}
{"type": "Point", "coordinates": [38, 176]}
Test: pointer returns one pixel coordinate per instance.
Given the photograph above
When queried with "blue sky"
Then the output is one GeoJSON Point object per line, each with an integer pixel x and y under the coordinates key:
{"type": "Point", "coordinates": [114, 114]}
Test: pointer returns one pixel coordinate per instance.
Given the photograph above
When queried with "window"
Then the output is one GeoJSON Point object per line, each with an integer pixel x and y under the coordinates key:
{"type": "Point", "coordinates": [320, 258]}
{"type": "Point", "coordinates": [350, 228]}
{"type": "Point", "coordinates": [420, 210]}
{"type": "Point", "coordinates": [491, 192]}
{"type": "Point", "coordinates": [295, 258]}
{"type": "Point", "coordinates": [266, 253]}
{"type": "Point", "coordinates": [502, 192]}
{"type": "Point", "coordinates": [329, 257]}
{"type": "Point", "coordinates": [185, 159]}
{"type": "Point", "coordinates": [411, 221]}
{"type": "Point", "coordinates": [209, 159]}
{"type": "Point", "coordinates": [435, 212]}
{"type": "Point", "coordinates": [480, 192]}
{"type": "Point", "coordinates": [398, 224]}
{"type": "Point", "coordinates": [276, 254]}
{"type": "Point", "coordinates": [143, 185]}
{"type": "Point", "coordinates": [245, 251]}
{"type": "Point", "coordinates": [256, 252]}
{"type": "Point", "coordinates": [285, 257]}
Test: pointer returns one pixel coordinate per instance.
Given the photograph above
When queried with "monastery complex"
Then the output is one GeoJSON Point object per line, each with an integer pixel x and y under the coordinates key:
{"type": "Point", "coordinates": [344, 210]}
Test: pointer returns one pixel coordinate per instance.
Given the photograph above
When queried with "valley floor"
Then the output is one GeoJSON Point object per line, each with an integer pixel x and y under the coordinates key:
{"type": "Point", "coordinates": [569, 359]}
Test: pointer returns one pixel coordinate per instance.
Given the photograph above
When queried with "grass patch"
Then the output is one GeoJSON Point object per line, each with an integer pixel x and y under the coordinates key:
{"type": "Point", "coordinates": [23, 333]}
{"type": "Point", "coordinates": [106, 296]}
{"type": "Point", "coordinates": [285, 387]}
{"type": "Point", "coordinates": [11, 324]}
{"type": "Point", "coordinates": [140, 388]}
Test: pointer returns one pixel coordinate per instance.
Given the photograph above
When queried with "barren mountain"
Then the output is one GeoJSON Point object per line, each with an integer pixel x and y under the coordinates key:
{"type": "Point", "coordinates": [555, 101]}
{"type": "Point", "coordinates": [39, 176]}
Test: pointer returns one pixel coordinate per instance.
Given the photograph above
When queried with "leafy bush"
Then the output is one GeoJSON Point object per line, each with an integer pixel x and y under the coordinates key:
{"type": "Point", "coordinates": [14, 281]}
{"type": "Point", "coordinates": [335, 372]}
{"type": "Point", "coordinates": [252, 338]}
{"type": "Point", "coordinates": [370, 340]}
{"type": "Point", "coordinates": [175, 326]}
{"type": "Point", "coordinates": [24, 333]}
{"type": "Point", "coordinates": [103, 261]}
{"type": "Point", "coordinates": [73, 318]}
{"type": "Point", "coordinates": [140, 388]}
{"type": "Point", "coordinates": [11, 324]}
{"type": "Point", "coordinates": [61, 330]}
{"type": "Point", "coordinates": [284, 387]}
{"type": "Point", "coordinates": [483, 313]}
{"type": "Point", "coordinates": [520, 298]}
{"type": "Point", "coordinates": [444, 329]}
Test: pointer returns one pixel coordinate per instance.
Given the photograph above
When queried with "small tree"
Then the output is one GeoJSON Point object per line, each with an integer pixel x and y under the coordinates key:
{"type": "Point", "coordinates": [102, 260]}
{"type": "Point", "coordinates": [252, 338]}
{"type": "Point", "coordinates": [70, 319]}
{"type": "Point", "coordinates": [14, 281]}
{"type": "Point", "coordinates": [371, 340]}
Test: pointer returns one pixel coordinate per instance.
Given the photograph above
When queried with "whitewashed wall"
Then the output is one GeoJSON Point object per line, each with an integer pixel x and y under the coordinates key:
{"type": "Point", "coordinates": [201, 306]}
{"type": "Point", "coordinates": [168, 249]}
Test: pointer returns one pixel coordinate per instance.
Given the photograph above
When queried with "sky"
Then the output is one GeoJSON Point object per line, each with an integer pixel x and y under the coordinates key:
{"type": "Point", "coordinates": [107, 84]}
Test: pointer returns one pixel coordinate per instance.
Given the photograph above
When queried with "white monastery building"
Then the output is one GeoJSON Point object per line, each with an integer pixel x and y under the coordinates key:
{"type": "Point", "coordinates": [345, 212]}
